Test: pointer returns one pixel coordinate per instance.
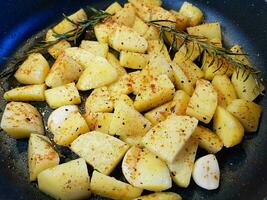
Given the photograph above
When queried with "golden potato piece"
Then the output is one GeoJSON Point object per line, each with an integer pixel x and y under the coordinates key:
{"type": "Point", "coordinates": [33, 70]}
{"type": "Point", "coordinates": [110, 187]}
{"type": "Point", "coordinates": [26, 93]}
{"type": "Point", "coordinates": [66, 181]}
{"type": "Point", "coordinates": [203, 102]}
{"type": "Point", "coordinates": [19, 120]}
{"type": "Point", "coordinates": [41, 155]}
{"type": "Point", "coordinates": [228, 128]}
{"type": "Point", "coordinates": [248, 113]}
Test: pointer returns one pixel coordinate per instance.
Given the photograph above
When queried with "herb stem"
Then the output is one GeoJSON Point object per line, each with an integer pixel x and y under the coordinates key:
{"type": "Point", "coordinates": [203, 43]}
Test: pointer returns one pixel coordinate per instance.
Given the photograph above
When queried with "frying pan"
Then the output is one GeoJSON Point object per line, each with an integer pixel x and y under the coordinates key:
{"type": "Point", "coordinates": [243, 168]}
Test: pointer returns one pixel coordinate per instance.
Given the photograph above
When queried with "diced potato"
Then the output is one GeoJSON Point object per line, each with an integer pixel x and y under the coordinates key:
{"type": "Point", "coordinates": [113, 8]}
{"type": "Point", "coordinates": [159, 114]}
{"type": "Point", "coordinates": [81, 56]}
{"type": "Point", "coordinates": [145, 170]}
{"type": "Point", "coordinates": [122, 97]}
{"type": "Point", "coordinates": [99, 121]}
{"type": "Point", "coordinates": [98, 75]}
{"type": "Point", "coordinates": [181, 168]}
{"type": "Point", "coordinates": [73, 126]}
{"type": "Point", "coordinates": [152, 33]}
{"type": "Point", "coordinates": [110, 187]}
{"type": "Point", "coordinates": [41, 155]}
{"type": "Point", "coordinates": [225, 90]}
{"type": "Point", "coordinates": [100, 150]}
{"type": "Point", "coordinates": [125, 16]}
{"type": "Point", "coordinates": [167, 138]}
{"type": "Point", "coordinates": [99, 101]}
{"type": "Point", "coordinates": [207, 139]}
{"type": "Point", "coordinates": [103, 30]}
{"type": "Point", "coordinates": [85, 58]}
{"type": "Point", "coordinates": [140, 26]}
{"type": "Point", "coordinates": [191, 70]}
{"type": "Point", "coordinates": [213, 66]}
{"type": "Point", "coordinates": [33, 70]}
{"type": "Point", "coordinates": [228, 128]}
{"type": "Point", "coordinates": [133, 60]}
{"type": "Point", "coordinates": [181, 99]}
{"type": "Point", "coordinates": [159, 13]}
{"type": "Point", "coordinates": [209, 30]}
{"type": "Point", "coordinates": [161, 196]}
{"type": "Point", "coordinates": [245, 85]}
{"type": "Point", "coordinates": [142, 9]}
{"type": "Point", "coordinates": [26, 93]}
{"type": "Point", "coordinates": [147, 2]}
{"type": "Point", "coordinates": [181, 80]}
{"type": "Point", "coordinates": [182, 21]}
{"type": "Point", "coordinates": [124, 85]}
{"type": "Point", "coordinates": [62, 95]}
{"type": "Point", "coordinates": [128, 122]}
{"type": "Point", "coordinates": [248, 113]}
{"type": "Point", "coordinates": [98, 72]}
{"type": "Point", "coordinates": [64, 70]}
{"type": "Point", "coordinates": [132, 139]}
{"type": "Point", "coordinates": [188, 51]}
{"type": "Point", "coordinates": [203, 102]}
{"type": "Point", "coordinates": [59, 115]}
{"type": "Point", "coordinates": [141, 80]}
{"type": "Point", "coordinates": [194, 14]}
{"type": "Point", "coordinates": [65, 25]}
{"type": "Point", "coordinates": [159, 65]}
{"type": "Point", "coordinates": [19, 120]}
{"type": "Point", "coordinates": [125, 39]}
{"type": "Point", "coordinates": [94, 47]}
{"type": "Point", "coordinates": [58, 48]}
{"type": "Point", "coordinates": [66, 181]}
{"type": "Point", "coordinates": [158, 91]}
{"type": "Point", "coordinates": [116, 64]}
{"type": "Point", "coordinates": [157, 47]}
{"type": "Point", "coordinates": [242, 58]}
{"type": "Point", "coordinates": [178, 106]}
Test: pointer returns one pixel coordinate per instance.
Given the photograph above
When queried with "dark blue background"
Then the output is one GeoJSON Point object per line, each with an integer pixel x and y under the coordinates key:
{"type": "Point", "coordinates": [244, 171]}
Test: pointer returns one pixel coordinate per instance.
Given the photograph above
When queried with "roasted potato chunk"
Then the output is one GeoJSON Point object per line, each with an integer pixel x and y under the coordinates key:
{"type": "Point", "coordinates": [167, 138]}
{"type": "Point", "coordinates": [228, 128]}
{"type": "Point", "coordinates": [41, 155]}
{"type": "Point", "coordinates": [145, 170]}
{"type": "Point", "coordinates": [33, 70]}
{"type": "Point", "coordinates": [19, 120]}
{"type": "Point", "coordinates": [100, 150]}
{"type": "Point", "coordinates": [110, 187]}
{"type": "Point", "coordinates": [248, 113]}
{"type": "Point", "coordinates": [62, 95]}
{"type": "Point", "coordinates": [203, 102]}
{"type": "Point", "coordinates": [66, 181]}
{"type": "Point", "coordinates": [26, 93]}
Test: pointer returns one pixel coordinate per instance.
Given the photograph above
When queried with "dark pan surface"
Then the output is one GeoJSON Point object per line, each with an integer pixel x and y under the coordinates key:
{"type": "Point", "coordinates": [243, 168]}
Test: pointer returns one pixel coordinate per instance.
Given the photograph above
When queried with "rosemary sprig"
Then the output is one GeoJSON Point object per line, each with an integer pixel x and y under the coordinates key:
{"type": "Point", "coordinates": [96, 17]}
{"type": "Point", "coordinates": [214, 51]}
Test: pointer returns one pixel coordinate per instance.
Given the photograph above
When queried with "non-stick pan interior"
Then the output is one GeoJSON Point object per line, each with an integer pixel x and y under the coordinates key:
{"type": "Point", "coordinates": [243, 168]}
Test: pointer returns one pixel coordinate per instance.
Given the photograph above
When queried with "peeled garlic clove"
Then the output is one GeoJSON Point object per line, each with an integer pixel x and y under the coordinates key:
{"type": "Point", "coordinates": [59, 115]}
{"type": "Point", "coordinates": [206, 172]}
